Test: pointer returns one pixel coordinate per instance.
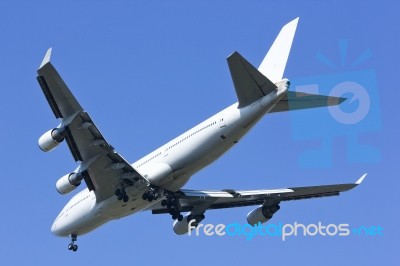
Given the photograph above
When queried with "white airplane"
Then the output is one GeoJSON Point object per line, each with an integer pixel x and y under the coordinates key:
{"type": "Point", "coordinates": [116, 188]}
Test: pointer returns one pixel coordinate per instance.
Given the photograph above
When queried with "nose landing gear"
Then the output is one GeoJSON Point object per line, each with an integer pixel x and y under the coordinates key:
{"type": "Point", "coordinates": [72, 246]}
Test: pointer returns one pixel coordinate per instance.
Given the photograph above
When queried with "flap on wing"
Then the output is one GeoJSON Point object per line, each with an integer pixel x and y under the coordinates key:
{"type": "Point", "coordinates": [186, 193]}
{"type": "Point", "coordinates": [103, 164]}
{"type": "Point", "coordinates": [300, 100]}
{"type": "Point", "coordinates": [106, 173]}
{"type": "Point", "coordinates": [229, 193]}
{"type": "Point", "coordinates": [251, 193]}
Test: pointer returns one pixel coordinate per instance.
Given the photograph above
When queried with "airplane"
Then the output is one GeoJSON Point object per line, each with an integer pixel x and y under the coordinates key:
{"type": "Point", "coordinates": [116, 188]}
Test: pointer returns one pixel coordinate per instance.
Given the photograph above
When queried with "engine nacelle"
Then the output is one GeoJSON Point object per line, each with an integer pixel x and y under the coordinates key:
{"type": "Point", "coordinates": [262, 214]}
{"type": "Point", "coordinates": [182, 227]}
{"type": "Point", "coordinates": [51, 139]}
{"type": "Point", "coordinates": [68, 183]}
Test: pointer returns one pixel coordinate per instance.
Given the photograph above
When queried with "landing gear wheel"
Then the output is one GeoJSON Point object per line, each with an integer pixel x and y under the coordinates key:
{"type": "Point", "coordinates": [120, 192]}
{"type": "Point", "coordinates": [150, 197]}
{"type": "Point", "coordinates": [72, 246]}
{"type": "Point", "coordinates": [145, 196]}
{"type": "Point", "coordinates": [173, 205]}
{"type": "Point", "coordinates": [126, 198]}
{"type": "Point", "coordinates": [153, 193]}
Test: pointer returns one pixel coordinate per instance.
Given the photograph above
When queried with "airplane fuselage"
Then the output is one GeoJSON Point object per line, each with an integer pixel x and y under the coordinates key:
{"type": "Point", "coordinates": [169, 166]}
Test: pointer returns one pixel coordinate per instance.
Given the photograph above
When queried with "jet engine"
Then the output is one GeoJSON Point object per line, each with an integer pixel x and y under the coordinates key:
{"type": "Point", "coordinates": [51, 139]}
{"type": "Point", "coordinates": [68, 183]}
{"type": "Point", "coordinates": [262, 214]}
{"type": "Point", "coordinates": [182, 227]}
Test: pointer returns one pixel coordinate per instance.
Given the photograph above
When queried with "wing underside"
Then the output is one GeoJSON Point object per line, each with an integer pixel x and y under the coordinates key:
{"type": "Point", "coordinates": [210, 199]}
{"type": "Point", "coordinates": [101, 166]}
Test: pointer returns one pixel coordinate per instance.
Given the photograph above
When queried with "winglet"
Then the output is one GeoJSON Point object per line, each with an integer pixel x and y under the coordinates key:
{"type": "Point", "coordinates": [359, 181]}
{"type": "Point", "coordinates": [46, 58]}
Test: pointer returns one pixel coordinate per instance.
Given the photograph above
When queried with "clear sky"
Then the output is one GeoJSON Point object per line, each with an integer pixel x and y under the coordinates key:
{"type": "Point", "coordinates": [148, 70]}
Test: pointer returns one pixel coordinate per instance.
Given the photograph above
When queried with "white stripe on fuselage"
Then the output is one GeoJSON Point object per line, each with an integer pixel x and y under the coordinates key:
{"type": "Point", "coordinates": [182, 157]}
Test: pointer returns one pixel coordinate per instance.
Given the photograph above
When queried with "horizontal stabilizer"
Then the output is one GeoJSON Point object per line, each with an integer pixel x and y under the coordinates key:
{"type": "Point", "coordinates": [300, 100]}
{"type": "Point", "coordinates": [250, 84]}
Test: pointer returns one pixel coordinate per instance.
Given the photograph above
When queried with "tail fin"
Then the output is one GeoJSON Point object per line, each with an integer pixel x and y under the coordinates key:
{"type": "Point", "coordinates": [274, 62]}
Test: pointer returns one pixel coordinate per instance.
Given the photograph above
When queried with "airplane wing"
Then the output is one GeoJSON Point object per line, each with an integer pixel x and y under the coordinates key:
{"type": "Point", "coordinates": [101, 166]}
{"type": "Point", "coordinates": [211, 199]}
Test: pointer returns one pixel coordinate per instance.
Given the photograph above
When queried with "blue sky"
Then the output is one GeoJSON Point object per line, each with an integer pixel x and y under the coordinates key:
{"type": "Point", "coordinates": [148, 70]}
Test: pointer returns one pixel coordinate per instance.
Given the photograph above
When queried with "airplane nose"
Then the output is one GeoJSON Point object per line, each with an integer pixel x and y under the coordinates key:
{"type": "Point", "coordinates": [55, 230]}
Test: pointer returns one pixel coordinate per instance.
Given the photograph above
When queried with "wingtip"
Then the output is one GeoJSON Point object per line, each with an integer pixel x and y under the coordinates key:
{"type": "Point", "coordinates": [234, 56]}
{"type": "Point", "coordinates": [359, 181]}
{"type": "Point", "coordinates": [235, 53]}
{"type": "Point", "coordinates": [47, 57]}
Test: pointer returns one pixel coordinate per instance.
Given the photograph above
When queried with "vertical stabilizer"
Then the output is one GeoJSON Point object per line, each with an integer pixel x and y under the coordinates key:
{"type": "Point", "coordinates": [274, 62]}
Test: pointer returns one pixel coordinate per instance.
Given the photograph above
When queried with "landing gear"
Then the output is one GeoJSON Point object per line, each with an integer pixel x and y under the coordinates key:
{"type": "Point", "coordinates": [72, 246]}
{"type": "Point", "coordinates": [121, 195]}
{"type": "Point", "coordinates": [173, 205]}
{"type": "Point", "coordinates": [120, 191]}
{"type": "Point", "coordinates": [152, 194]}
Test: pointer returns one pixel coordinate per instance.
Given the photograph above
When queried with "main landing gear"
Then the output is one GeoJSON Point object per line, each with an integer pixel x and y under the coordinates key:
{"type": "Point", "coordinates": [152, 194]}
{"type": "Point", "coordinates": [72, 246]}
{"type": "Point", "coordinates": [173, 205]}
{"type": "Point", "coordinates": [120, 191]}
{"type": "Point", "coordinates": [171, 201]}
